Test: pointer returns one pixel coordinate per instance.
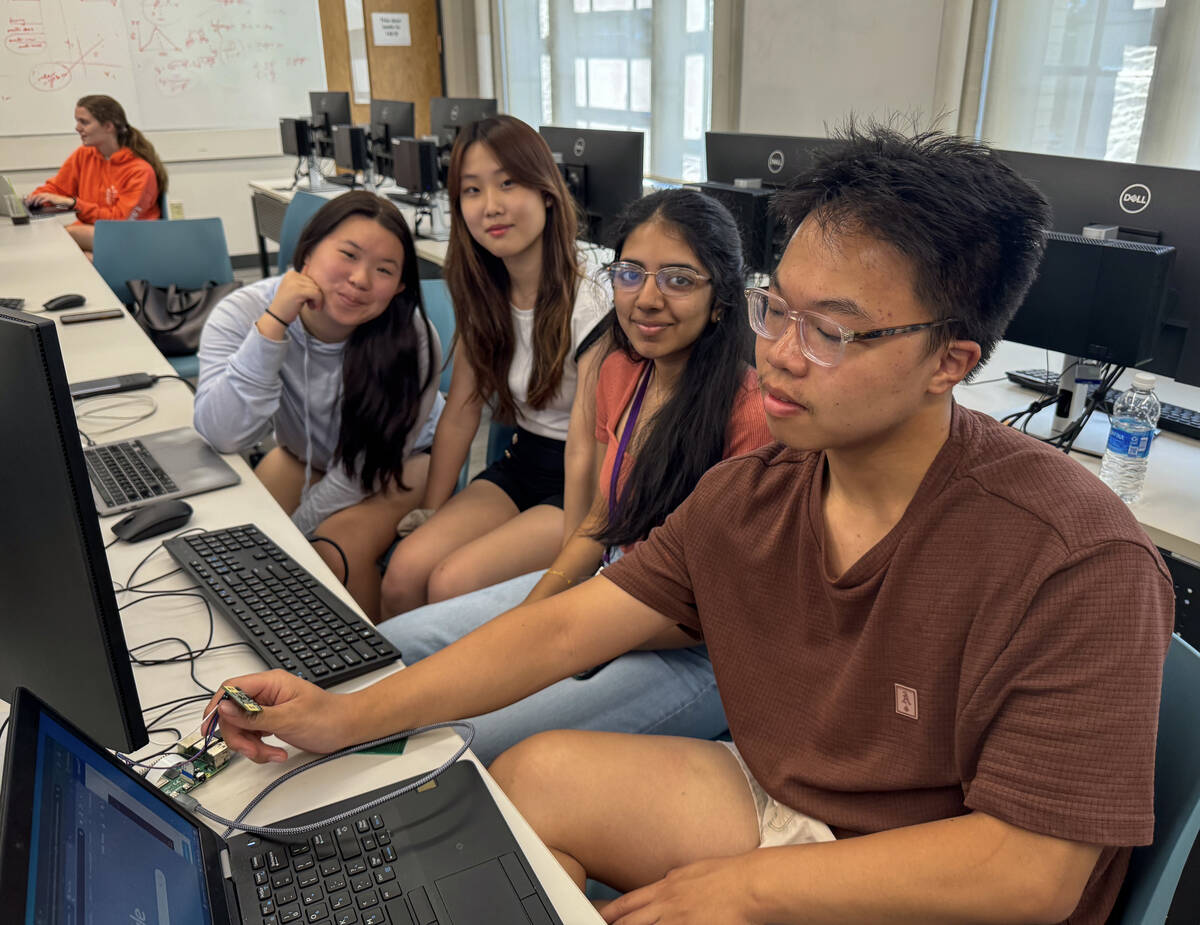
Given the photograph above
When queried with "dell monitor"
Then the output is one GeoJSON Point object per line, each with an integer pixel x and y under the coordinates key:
{"type": "Point", "coordinates": [328, 109]}
{"type": "Point", "coordinates": [448, 115]}
{"type": "Point", "coordinates": [295, 136]}
{"type": "Point", "coordinates": [389, 119]}
{"type": "Point", "coordinates": [62, 634]}
{"type": "Point", "coordinates": [744, 171]}
{"type": "Point", "coordinates": [415, 167]}
{"type": "Point", "coordinates": [1141, 204]}
{"type": "Point", "coordinates": [350, 148]}
{"type": "Point", "coordinates": [603, 170]}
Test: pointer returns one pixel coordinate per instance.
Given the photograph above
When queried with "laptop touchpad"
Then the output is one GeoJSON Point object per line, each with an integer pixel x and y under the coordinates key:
{"type": "Point", "coordinates": [484, 894]}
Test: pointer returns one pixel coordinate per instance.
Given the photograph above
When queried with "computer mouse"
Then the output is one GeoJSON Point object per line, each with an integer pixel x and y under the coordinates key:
{"type": "Point", "coordinates": [59, 302]}
{"type": "Point", "coordinates": [151, 520]}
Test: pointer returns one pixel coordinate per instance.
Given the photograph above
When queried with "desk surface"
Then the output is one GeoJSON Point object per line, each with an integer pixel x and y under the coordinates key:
{"type": "Point", "coordinates": [1169, 508]}
{"type": "Point", "coordinates": [281, 189]}
{"type": "Point", "coordinates": [38, 261]}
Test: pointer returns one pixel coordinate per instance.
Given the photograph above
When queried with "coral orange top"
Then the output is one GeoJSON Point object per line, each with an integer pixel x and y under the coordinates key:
{"type": "Point", "coordinates": [120, 187]}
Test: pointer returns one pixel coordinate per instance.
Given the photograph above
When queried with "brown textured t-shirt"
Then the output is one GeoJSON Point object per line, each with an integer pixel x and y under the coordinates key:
{"type": "Point", "coordinates": [999, 650]}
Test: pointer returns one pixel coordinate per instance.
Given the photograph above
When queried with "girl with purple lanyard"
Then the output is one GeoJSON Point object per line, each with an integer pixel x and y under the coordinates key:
{"type": "Point", "coordinates": [674, 396]}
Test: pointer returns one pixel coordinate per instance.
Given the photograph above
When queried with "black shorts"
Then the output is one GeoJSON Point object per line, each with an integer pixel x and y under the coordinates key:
{"type": "Point", "coordinates": [530, 472]}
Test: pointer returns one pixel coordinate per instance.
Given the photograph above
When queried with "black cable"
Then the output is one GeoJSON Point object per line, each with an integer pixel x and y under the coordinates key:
{"type": "Point", "coordinates": [111, 542]}
{"type": "Point", "coordinates": [187, 382]}
{"type": "Point", "coordinates": [129, 586]}
{"type": "Point", "coordinates": [90, 441]}
{"type": "Point", "coordinates": [340, 552]}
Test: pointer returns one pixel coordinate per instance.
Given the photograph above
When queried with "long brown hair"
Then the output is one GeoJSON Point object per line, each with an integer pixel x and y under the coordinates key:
{"type": "Point", "coordinates": [106, 109]}
{"type": "Point", "coordinates": [479, 283]}
{"type": "Point", "coordinates": [381, 380]}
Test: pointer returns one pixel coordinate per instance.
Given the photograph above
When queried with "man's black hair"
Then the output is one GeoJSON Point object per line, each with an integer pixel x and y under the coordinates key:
{"type": "Point", "coordinates": [972, 229]}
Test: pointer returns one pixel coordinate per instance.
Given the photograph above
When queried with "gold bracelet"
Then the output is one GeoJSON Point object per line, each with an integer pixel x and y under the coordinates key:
{"type": "Point", "coordinates": [561, 574]}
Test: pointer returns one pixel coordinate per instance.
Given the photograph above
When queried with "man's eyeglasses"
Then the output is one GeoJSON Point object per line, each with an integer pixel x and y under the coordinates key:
{"type": "Point", "coordinates": [822, 339]}
{"type": "Point", "coordinates": [673, 282]}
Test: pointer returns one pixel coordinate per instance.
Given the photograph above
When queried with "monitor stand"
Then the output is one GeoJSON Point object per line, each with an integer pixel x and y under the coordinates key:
{"type": "Point", "coordinates": [1077, 375]}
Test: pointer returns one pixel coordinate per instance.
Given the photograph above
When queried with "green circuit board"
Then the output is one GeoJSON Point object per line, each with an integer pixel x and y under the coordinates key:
{"type": "Point", "coordinates": [196, 767]}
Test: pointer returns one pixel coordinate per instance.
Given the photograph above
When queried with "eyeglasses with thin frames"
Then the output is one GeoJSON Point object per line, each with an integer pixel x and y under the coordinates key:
{"type": "Point", "coordinates": [673, 282]}
{"type": "Point", "coordinates": [822, 339]}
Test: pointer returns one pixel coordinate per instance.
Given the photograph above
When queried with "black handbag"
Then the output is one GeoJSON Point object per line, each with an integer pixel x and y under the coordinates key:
{"type": "Point", "coordinates": [174, 317]}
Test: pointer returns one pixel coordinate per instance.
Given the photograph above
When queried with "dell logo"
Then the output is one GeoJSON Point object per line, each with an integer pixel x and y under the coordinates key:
{"type": "Point", "coordinates": [1135, 197]}
{"type": "Point", "coordinates": [775, 161]}
{"type": "Point", "coordinates": [579, 146]}
{"type": "Point", "coordinates": [453, 113]}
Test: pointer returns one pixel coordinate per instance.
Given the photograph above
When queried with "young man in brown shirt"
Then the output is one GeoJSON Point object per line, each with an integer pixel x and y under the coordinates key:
{"type": "Point", "coordinates": [938, 642]}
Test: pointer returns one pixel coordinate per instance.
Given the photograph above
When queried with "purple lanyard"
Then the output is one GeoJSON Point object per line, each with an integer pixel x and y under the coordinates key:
{"type": "Point", "coordinates": [625, 435]}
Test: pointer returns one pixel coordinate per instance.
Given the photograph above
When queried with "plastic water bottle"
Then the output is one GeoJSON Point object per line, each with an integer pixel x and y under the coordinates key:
{"type": "Point", "coordinates": [1133, 417]}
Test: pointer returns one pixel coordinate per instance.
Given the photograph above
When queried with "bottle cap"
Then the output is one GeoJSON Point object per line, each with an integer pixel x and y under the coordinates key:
{"type": "Point", "coordinates": [1144, 381]}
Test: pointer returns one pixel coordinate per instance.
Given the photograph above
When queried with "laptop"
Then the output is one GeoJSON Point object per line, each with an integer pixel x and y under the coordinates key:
{"type": "Point", "coordinates": [85, 841]}
{"type": "Point", "coordinates": [126, 474]}
{"type": "Point", "coordinates": [14, 206]}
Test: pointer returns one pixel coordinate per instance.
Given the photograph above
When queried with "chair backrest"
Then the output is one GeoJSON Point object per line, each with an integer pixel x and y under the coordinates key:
{"type": "Point", "coordinates": [440, 310]}
{"type": "Point", "coordinates": [162, 206]}
{"type": "Point", "coordinates": [1154, 869]}
{"type": "Point", "coordinates": [189, 252]}
{"type": "Point", "coordinates": [302, 207]}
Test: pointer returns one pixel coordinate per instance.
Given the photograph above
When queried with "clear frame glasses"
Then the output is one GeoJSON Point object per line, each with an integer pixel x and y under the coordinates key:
{"type": "Point", "coordinates": [822, 339]}
{"type": "Point", "coordinates": [673, 282]}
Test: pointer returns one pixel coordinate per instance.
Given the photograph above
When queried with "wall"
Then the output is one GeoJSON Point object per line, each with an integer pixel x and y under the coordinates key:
{"type": "Point", "coordinates": [806, 64]}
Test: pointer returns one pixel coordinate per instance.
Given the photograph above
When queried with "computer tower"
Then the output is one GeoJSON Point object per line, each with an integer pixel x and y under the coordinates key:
{"type": "Point", "coordinates": [763, 237]}
{"type": "Point", "coordinates": [350, 147]}
{"type": "Point", "coordinates": [296, 136]}
{"type": "Point", "coordinates": [415, 165]}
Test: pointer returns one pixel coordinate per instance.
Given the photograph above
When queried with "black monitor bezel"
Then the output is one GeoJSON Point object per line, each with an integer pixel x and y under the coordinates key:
{"type": "Point", "coordinates": [776, 160]}
{"type": "Point", "coordinates": [614, 175]}
{"type": "Point", "coordinates": [320, 103]}
{"type": "Point", "coordinates": [124, 728]}
{"type": "Point", "coordinates": [448, 114]}
{"type": "Point", "coordinates": [1084, 191]}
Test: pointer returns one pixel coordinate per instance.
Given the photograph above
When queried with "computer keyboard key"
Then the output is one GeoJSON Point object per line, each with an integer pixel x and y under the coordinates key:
{"type": "Point", "coordinates": [285, 896]}
{"type": "Point", "coordinates": [303, 863]}
{"type": "Point", "coordinates": [390, 890]}
{"type": "Point", "coordinates": [373, 917]}
{"type": "Point", "coordinates": [290, 914]}
{"type": "Point", "coordinates": [422, 907]}
{"type": "Point", "coordinates": [323, 845]}
{"type": "Point", "coordinates": [307, 879]}
{"type": "Point", "coordinates": [316, 913]}
{"type": "Point", "coordinates": [331, 868]}
{"type": "Point", "coordinates": [347, 917]}
{"type": "Point", "coordinates": [340, 900]}
{"type": "Point", "coordinates": [398, 912]}
{"type": "Point", "coordinates": [360, 883]}
{"type": "Point", "coordinates": [311, 895]}
{"type": "Point", "coordinates": [366, 900]}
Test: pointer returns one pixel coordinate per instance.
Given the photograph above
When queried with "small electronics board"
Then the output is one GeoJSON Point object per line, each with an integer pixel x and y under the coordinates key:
{"type": "Point", "coordinates": [242, 699]}
{"type": "Point", "coordinates": [196, 765]}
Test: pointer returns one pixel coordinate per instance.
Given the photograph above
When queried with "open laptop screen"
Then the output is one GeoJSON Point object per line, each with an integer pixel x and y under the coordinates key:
{"type": "Point", "coordinates": [101, 849]}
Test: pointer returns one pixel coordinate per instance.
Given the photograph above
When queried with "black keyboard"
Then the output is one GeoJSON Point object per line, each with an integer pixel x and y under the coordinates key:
{"type": "Point", "coordinates": [12, 304]}
{"type": "Point", "coordinates": [288, 617]}
{"type": "Point", "coordinates": [1174, 419]}
{"type": "Point", "coordinates": [126, 472]}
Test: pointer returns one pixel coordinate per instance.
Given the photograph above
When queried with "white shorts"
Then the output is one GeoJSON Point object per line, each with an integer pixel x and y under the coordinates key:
{"type": "Point", "coordinates": [778, 824]}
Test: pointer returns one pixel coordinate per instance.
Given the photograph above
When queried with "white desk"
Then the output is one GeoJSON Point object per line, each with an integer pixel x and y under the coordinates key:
{"type": "Point", "coordinates": [269, 199]}
{"type": "Point", "coordinates": [1169, 508]}
{"type": "Point", "coordinates": [38, 261]}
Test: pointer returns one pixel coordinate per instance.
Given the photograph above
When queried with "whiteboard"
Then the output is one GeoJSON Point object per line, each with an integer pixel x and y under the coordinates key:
{"type": "Point", "coordinates": [172, 64]}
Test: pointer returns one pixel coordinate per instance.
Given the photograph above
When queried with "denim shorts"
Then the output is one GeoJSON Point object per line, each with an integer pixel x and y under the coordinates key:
{"type": "Point", "coordinates": [530, 472]}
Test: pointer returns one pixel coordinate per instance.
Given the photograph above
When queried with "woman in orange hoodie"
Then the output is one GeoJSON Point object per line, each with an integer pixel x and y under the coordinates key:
{"type": "Point", "coordinates": [114, 174]}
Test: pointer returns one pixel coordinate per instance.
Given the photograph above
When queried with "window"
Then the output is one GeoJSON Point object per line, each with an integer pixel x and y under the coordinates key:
{"type": "Point", "coordinates": [642, 65]}
{"type": "Point", "coordinates": [1105, 79]}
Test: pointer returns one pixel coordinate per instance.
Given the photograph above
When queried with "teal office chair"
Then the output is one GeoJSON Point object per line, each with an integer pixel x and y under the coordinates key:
{"type": "Point", "coordinates": [1154, 870]}
{"type": "Point", "coordinates": [302, 207]}
{"type": "Point", "coordinates": [162, 207]}
{"type": "Point", "coordinates": [190, 253]}
{"type": "Point", "coordinates": [441, 315]}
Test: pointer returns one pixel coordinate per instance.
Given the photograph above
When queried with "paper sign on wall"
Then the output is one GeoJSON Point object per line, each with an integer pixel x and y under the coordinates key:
{"type": "Point", "coordinates": [391, 29]}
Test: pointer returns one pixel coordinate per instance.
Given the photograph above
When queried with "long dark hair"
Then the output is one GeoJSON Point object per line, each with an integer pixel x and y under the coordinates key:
{"type": "Point", "coordinates": [479, 283]}
{"type": "Point", "coordinates": [689, 433]}
{"type": "Point", "coordinates": [381, 380]}
{"type": "Point", "coordinates": [106, 109]}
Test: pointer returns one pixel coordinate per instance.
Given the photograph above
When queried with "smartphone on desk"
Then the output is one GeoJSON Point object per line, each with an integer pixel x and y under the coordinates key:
{"type": "Point", "coordinates": [99, 315]}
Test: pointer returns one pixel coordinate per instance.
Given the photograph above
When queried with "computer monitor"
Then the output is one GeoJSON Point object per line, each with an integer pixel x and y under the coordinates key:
{"type": "Point", "coordinates": [329, 108]}
{"type": "Point", "coordinates": [1151, 205]}
{"type": "Point", "coordinates": [603, 170]}
{"type": "Point", "coordinates": [744, 171]}
{"type": "Point", "coordinates": [447, 115]}
{"type": "Point", "coordinates": [62, 635]}
{"type": "Point", "coordinates": [389, 119]}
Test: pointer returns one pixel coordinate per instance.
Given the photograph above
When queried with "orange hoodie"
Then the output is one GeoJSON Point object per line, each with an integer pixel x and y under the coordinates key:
{"type": "Point", "coordinates": [121, 187]}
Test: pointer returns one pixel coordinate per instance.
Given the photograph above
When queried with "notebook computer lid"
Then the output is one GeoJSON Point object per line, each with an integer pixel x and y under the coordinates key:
{"type": "Point", "coordinates": [85, 841]}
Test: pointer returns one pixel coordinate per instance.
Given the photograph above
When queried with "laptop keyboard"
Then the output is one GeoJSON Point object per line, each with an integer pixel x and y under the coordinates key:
{"type": "Point", "coordinates": [343, 876]}
{"type": "Point", "coordinates": [288, 617]}
{"type": "Point", "coordinates": [125, 473]}
{"type": "Point", "coordinates": [12, 304]}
